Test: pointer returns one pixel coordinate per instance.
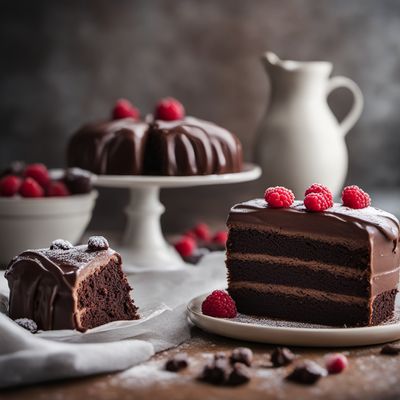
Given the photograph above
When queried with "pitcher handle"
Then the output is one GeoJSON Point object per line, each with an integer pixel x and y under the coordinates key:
{"type": "Point", "coordinates": [354, 114]}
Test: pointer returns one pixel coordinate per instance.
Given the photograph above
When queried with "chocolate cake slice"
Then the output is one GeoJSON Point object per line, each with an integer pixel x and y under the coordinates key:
{"type": "Point", "coordinates": [337, 267]}
{"type": "Point", "coordinates": [67, 287]}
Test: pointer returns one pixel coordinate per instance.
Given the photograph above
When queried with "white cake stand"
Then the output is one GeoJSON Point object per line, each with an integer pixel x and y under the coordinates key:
{"type": "Point", "coordinates": [143, 243]}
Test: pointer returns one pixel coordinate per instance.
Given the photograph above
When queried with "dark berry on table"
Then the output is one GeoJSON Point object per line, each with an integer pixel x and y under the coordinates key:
{"type": "Point", "coordinates": [281, 356]}
{"type": "Point", "coordinates": [125, 109]}
{"type": "Point", "coordinates": [97, 243]}
{"type": "Point", "coordinates": [10, 185]}
{"type": "Point", "coordinates": [391, 349]}
{"type": "Point", "coordinates": [336, 363]}
{"type": "Point", "coordinates": [61, 244]}
{"type": "Point", "coordinates": [216, 372]}
{"type": "Point", "coordinates": [307, 373]}
{"type": "Point", "coordinates": [219, 305]}
{"type": "Point", "coordinates": [30, 188]}
{"type": "Point", "coordinates": [78, 180]}
{"type": "Point", "coordinates": [202, 232]}
{"type": "Point", "coordinates": [239, 375]}
{"type": "Point", "coordinates": [27, 324]}
{"type": "Point", "coordinates": [185, 246]}
{"type": "Point", "coordinates": [57, 189]}
{"type": "Point", "coordinates": [15, 168]}
{"type": "Point", "coordinates": [169, 109]}
{"type": "Point", "coordinates": [242, 355]}
{"type": "Point", "coordinates": [39, 173]}
{"type": "Point", "coordinates": [177, 362]}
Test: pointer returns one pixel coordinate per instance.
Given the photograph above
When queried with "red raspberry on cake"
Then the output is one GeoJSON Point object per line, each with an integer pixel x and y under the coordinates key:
{"type": "Point", "coordinates": [57, 189]}
{"type": "Point", "coordinates": [202, 232]}
{"type": "Point", "coordinates": [185, 246]}
{"type": "Point", "coordinates": [30, 188]}
{"type": "Point", "coordinates": [39, 173]}
{"type": "Point", "coordinates": [125, 109]}
{"type": "Point", "coordinates": [279, 197]}
{"type": "Point", "coordinates": [317, 202]}
{"type": "Point", "coordinates": [322, 189]}
{"type": "Point", "coordinates": [9, 185]}
{"type": "Point", "coordinates": [169, 109]}
{"type": "Point", "coordinates": [219, 304]}
{"type": "Point", "coordinates": [355, 197]}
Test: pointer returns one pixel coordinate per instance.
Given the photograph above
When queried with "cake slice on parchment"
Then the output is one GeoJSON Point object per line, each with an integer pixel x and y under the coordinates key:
{"type": "Point", "coordinates": [338, 266]}
{"type": "Point", "coordinates": [70, 287]}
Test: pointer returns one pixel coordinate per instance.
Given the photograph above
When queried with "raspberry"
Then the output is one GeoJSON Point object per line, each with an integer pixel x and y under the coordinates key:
{"type": "Point", "coordinates": [97, 243]}
{"type": "Point", "coordinates": [220, 237]}
{"type": "Point", "coordinates": [186, 246]}
{"type": "Point", "coordinates": [316, 202]}
{"type": "Point", "coordinates": [57, 189]}
{"type": "Point", "coordinates": [9, 185]}
{"type": "Point", "coordinates": [318, 188]}
{"type": "Point", "coordinates": [169, 109]}
{"type": "Point", "coordinates": [219, 304]}
{"type": "Point", "coordinates": [279, 197]}
{"type": "Point", "coordinates": [39, 173]}
{"type": "Point", "coordinates": [124, 109]}
{"type": "Point", "coordinates": [30, 188]}
{"type": "Point", "coordinates": [355, 197]}
{"type": "Point", "coordinates": [336, 363]}
{"type": "Point", "coordinates": [202, 232]}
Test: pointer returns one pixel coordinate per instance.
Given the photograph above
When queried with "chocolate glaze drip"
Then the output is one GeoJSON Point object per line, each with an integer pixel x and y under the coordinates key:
{"type": "Point", "coordinates": [43, 284]}
{"type": "Point", "coordinates": [373, 229]}
{"type": "Point", "coordinates": [185, 147]}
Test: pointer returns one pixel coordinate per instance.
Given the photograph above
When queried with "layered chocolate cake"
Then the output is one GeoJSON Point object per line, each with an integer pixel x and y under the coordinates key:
{"type": "Point", "coordinates": [184, 146]}
{"type": "Point", "coordinates": [67, 287]}
{"type": "Point", "coordinates": [339, 266]}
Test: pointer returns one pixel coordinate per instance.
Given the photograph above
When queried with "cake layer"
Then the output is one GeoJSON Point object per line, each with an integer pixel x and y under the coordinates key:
{"type": "Point", "coordinates": [313, 310]}
{"type": "Point", "coordinates": [298, 275]}
{"type": "Point", "coordinates": [278, 244]}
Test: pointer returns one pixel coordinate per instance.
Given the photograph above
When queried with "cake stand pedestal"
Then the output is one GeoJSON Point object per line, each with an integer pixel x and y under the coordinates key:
{"type": "Point", "coordinates": [143, 243]}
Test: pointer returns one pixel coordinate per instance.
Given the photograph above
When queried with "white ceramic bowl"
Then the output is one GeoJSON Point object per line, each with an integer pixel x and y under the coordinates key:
{"type": "Point", "coordinates": [34, 223]}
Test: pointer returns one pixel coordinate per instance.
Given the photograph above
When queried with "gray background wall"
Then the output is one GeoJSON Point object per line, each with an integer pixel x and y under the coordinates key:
{"type": "Point", "coordinates": [65, 62]}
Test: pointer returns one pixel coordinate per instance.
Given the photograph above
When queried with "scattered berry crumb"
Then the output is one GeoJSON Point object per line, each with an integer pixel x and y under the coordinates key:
{"type": "Point", "coordinates": [279, 197]}
{"type": "Point", "coordinates": [355, 197]}
{"type": "Point", "coordinates": [219, 304]}
{"type": "Point", "coordinates": [169, 109]}
{"type": "Point", "coordinates": [30, 188]}
{"type": "Point", "coordinates": [336, 363]}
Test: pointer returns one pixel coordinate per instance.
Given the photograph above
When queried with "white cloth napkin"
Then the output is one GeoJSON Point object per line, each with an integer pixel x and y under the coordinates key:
{"type": "Point", "coordinates": [161, 296]}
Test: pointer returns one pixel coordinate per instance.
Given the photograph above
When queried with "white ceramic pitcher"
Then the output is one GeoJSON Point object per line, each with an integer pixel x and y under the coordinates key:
{"type": "Point", "coordinates": [300, 141]}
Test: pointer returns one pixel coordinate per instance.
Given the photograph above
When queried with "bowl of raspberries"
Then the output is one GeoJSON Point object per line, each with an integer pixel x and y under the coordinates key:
{"type": "Point", "coordinates": [38, 205]}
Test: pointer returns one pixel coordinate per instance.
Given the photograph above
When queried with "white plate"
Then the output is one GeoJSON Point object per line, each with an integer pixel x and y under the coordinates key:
{"type": "Point", "coordinates": [249, 172]}
{"type": "Point", "coordinates": [268, 331]}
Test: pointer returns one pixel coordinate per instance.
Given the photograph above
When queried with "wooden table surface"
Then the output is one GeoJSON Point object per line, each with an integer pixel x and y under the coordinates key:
{"type": "Point", "coordinates": [370, 375]}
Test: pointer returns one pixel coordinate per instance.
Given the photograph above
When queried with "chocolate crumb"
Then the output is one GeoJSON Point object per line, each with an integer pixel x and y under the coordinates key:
{"type": "Point", "coordinates": [216, 372]}
{"type": "Point", "coordinates": [177, 362]}
{"type": "Point", "coordinates": [282, 356]}
{"type": "Point", "coordinates": [242, 355]}
{"type": "Point", "coordinates": [97, 243]}
{"type": "Point", "coordinates": [61, 244]}
{"type": "Point", "coordinates": [240, 375]}
{"type": "Point", "coordinates": [307, 373]}
{"type": "Point", "coordinates": [27, 324]}
{"type": "Point", "coordinates": [391, 349]}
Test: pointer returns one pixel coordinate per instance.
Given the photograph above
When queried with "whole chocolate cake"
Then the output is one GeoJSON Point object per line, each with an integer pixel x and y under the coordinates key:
{"type": "Point", "coordinates": [67, 287]}
{"type": "Point", "coordinates": [339, 266]}
{"type": "Point", "coordinates": [181, 146]}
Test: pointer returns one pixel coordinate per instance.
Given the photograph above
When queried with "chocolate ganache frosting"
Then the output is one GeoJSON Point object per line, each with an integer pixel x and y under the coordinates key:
{"type": "Point", "coordinates": [371, 225]}
{"type": "Point", "coordinates": [189, 146]}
